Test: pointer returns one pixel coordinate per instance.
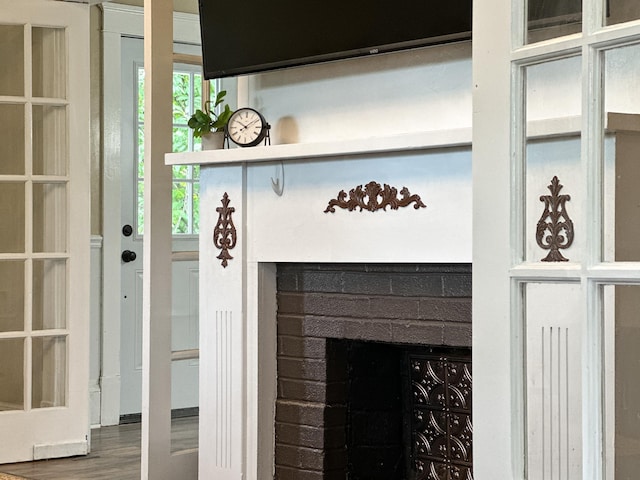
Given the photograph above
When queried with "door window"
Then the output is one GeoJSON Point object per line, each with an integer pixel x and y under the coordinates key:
{"type": "Point", "coordinates": [557, 114]}
{"type": "Point", "coordinates": [34, 243]}
{"type": "Point", "coordinates": [188, 87]}
{"type": "Point", "coordinates": [577, 217]}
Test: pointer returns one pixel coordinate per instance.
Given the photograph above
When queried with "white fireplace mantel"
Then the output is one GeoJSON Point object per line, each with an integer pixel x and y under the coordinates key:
{"type": "Point", "coordinates": [238, 302]}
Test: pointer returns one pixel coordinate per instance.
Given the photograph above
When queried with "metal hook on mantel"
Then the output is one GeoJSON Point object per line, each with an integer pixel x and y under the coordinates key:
{"type": "Point", "coordinates": [278, 184]}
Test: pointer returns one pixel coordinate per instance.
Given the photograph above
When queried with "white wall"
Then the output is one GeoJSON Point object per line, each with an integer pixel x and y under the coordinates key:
{"type": "Point", "coordinates": [410, 91]}
{"type": "Point", "coordinates": [418, 90]}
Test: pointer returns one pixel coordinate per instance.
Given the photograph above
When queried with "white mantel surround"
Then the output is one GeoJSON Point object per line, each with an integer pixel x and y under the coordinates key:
{"type": "Point", "coordinates": [237, 303]}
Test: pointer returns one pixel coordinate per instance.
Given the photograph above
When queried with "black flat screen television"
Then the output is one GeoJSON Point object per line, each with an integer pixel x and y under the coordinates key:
{"type": "Point", "coordinates": [250, 36]}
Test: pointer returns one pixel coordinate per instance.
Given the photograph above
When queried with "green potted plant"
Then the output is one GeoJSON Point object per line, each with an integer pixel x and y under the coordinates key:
{"type": "Point", "coordinates": [209, 125]}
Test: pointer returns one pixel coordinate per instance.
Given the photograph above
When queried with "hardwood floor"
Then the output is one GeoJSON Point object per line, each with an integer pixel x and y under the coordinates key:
{"type": "Point", "coordinates": [115, 455]}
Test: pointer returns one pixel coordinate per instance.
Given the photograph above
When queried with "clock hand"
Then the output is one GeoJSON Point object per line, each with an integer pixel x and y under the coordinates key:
{"type": "Point", "coordinates": [244, 127]}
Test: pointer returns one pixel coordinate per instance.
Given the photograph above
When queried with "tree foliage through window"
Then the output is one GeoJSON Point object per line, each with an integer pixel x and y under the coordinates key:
{"type": "Point", "coordinates": [187, 96]}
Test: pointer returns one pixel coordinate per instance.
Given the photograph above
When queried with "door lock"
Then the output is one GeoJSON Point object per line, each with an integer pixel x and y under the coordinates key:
{"type": "Point", "coordinates": [128, 256]}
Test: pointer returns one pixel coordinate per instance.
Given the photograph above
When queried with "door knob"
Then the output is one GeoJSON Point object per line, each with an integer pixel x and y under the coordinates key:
{"type": "Point", "coordinates": [128, 256]}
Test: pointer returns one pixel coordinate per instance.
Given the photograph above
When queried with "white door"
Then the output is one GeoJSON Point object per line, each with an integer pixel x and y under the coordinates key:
{"type": "Point", "coordinates": [188, 82]}
{"type": "Point", "coordinates": [44, 239]}
{"type": "Point", "coordinates": [556, 260]}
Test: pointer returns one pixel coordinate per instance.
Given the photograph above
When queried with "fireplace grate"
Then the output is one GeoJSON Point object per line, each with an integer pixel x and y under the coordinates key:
{"type": "Point", "coordinates": [441, 426]}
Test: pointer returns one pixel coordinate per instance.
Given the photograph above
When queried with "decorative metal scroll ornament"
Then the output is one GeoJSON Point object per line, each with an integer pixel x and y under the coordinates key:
{"type": "Point", "coordinates": [224, 233]}
{"type": "Point", "coordinates": [555, 228]}
{"type": "Point", "coordinates": [374, 197]}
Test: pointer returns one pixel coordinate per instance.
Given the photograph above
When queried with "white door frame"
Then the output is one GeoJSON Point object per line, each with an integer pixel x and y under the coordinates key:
{"type": "Point", "coordinates": [491, 198]}
{"type": "Point", "coordinates": [119, 21]}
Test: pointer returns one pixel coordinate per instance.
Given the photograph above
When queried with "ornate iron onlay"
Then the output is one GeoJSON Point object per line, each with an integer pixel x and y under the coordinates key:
{"type": "Point", "coordinates": [555, 228]}
{"type": "Point", "coordinates": [441, 426]}
{"type": "Point", "coordinates": [224, 233]}
{"type": "Point", "coordinates": [372, 197]}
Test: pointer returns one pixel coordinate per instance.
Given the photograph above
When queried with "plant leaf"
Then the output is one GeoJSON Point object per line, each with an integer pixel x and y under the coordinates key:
{"type": "Point", "coordinates": [220, 98]}
{"type": "Point", "coordinates": [222, 119]}
{"type": "Point", "coordinates": [202, 117]}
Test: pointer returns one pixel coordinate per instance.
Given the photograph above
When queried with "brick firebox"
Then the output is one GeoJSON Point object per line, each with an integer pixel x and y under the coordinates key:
{"type": "Point", "coordinates": [322, 310]}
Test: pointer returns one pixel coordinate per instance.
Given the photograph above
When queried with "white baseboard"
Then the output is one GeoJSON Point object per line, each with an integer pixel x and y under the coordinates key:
{"type": "Point", "coordinates": [110, 406]}
{"type": "Point", "coordinates": [59, 450]}
{"type": "Point", "coordinates": [95, 395]}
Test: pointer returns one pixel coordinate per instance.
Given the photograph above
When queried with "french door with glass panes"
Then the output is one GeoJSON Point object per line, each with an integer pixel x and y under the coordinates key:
{"type": "Point", "coordinates": [44, 238]}
{"type": "Point", "coordinates": [556, 239]}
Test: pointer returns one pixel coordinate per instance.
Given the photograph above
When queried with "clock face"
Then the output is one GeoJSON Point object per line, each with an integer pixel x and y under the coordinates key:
{"type": "Point", "coordinates": [246, 127]}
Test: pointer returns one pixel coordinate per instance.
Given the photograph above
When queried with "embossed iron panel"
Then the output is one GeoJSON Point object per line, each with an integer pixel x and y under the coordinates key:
{"type": "Point", "coordinates": [441, 426]}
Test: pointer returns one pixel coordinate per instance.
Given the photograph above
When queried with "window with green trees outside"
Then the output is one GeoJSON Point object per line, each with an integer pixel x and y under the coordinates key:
{"type": "Point", "coordinates": [187, 97]}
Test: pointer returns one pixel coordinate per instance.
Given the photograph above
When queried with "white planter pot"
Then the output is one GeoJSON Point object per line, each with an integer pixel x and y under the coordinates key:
{"type": "Point", "coordinates": [213, 141]}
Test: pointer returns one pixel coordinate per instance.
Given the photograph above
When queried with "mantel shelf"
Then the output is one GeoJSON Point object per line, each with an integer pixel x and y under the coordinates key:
{"type": "Point", "coordinates": [397, 143]}
{"type": "Point", "coordinates": [339, 148]}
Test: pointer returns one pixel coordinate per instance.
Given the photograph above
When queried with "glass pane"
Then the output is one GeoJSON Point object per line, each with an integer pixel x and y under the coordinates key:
{"type": "Point", "coordinates": [12, 211]}
{"type": "Point", "coordinates": [181, 139]}
{"type": "Point", "coordinates": [11, 295]}
{"type": "Point", "coordinates": [180, 171]}
{"type": "Point", "coordinates": [197, 91]}
{"type": "Point", "coordinates": [622, 389]}
{"type": "Point", "coordinates": [197, 144]}
{"type": "Point", "coordinates": [49, 217]}
{"type": "Point", "coordinates": [140, 208]}
{"type": "Point", "coordinates": [184, 431]}
{"type": "Point", "coordinates": [184, 386]}
{"type": "Point", "coordinates": [184, 372]}
{"type": "Point", "coordinates": [49, 140]}
{"type": "Point", "coordinates": [621, 175]}
{"type": "Point", "coordinates": [181, 208]}
{"type": "Point", "coordinates": [187, 92]}
{"type": "Point", "coordinates": [618, 11]}
{"type": "Point", "coordinates": [140, 94]}
{"type": "Point", "coordinates": [11, 374]}
{"type": "Point", "coordinates": [49, 372]}
{"type": "Point", "coordinates": [553, 366]}
{"type": "Point", "coordinates": [553, 162]}
{"type": "Point", "coordinates": [181, 97]}
{"type": "Point", "coordinates": [11, 60]}
{"type": "Point", "coordinates": [141, 151]}
{"type": "Point", "coordinates": [553, 18]}
{"type": "Point", "coordinates": [12, 139]}
{"type": "Point", "coordinates": [49, 294]}
{"type": "Point", "coordinates": [49, 62]}
{"type": "Point", "coordinates": [196, 208]}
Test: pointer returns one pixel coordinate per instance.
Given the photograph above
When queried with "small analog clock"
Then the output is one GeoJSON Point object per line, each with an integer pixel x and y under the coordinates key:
{"type": "Point", "coordinates": [247, 127]}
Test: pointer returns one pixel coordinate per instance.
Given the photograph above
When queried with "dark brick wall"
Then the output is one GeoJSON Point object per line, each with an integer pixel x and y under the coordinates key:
{"type": "Point", "coordinates": [398, 304]}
